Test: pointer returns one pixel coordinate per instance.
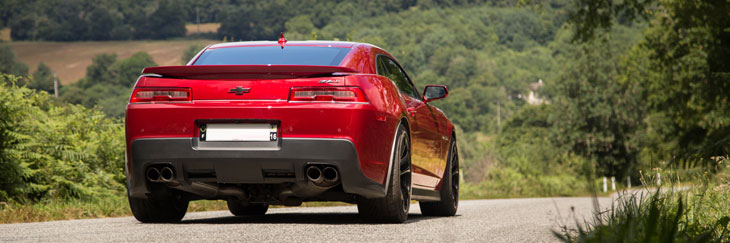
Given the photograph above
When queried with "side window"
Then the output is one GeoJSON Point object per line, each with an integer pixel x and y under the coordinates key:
{"type": "Point", "coordinates": [382, 71]}
{"type": "Point", "coordinates": [396, 74]}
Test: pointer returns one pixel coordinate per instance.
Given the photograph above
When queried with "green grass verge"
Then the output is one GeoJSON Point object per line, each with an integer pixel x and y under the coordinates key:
{"type": "Point", "coordinates": [698, 214]}
{"type": "Point", "coordinates": [109, 207]}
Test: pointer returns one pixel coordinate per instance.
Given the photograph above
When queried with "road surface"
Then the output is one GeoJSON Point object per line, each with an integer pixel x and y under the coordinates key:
{"type": "Point", "coordinates": [498, 220]}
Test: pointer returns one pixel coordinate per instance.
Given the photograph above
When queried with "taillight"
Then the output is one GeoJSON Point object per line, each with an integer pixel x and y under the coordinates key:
{"type": "Point", "coordinates": [161, 95]}
{"type": "Point", "coordinates": [324, 94]}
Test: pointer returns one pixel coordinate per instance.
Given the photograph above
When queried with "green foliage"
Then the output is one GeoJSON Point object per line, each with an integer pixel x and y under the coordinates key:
{"type": "Point", "coordinates": [190, 52]}
{"type": "Point", "coordinates": [108, 82]}
{"type": "Point", "coordinates": [126, 71]}
{"type": "Point", "coordinates": [257, 20]}
{"type": "Point", "coordinates": [588, 16]}
{"type": "Point", "coordinates": [687, 46]}
{"type": "Point", "coordinates": [43, 79]}
{"type": "Point", "coordinates": [95, 20]}
{"type": "Point", "coordinates": [10, 64]}
{"type": "Point", "coordinates": [682, 65]}
{"type": "Point", "coordinates": [166, 21]}
{"type": "Point", "coordinates": [300, 28]}
{"type": "Point", "coordinates": [697, 215]}
{"type": "Point", "coordinates": [596, 116]}
{"type": "Point", "coordinates": [54, 150]}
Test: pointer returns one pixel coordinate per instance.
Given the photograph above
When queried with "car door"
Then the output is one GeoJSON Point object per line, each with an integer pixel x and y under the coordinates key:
{"type": "Point", "coordinates": [426, 142]}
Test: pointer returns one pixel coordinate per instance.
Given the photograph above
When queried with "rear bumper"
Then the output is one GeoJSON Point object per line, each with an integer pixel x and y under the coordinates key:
{"type": "Point", "coordinates": [241, 165]}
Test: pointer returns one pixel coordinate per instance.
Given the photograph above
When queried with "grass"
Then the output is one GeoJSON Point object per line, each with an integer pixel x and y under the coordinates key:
{"type": "Point", "coordinates": [109, 207]}
{"type": "Point", "coordinates": [697, 214]}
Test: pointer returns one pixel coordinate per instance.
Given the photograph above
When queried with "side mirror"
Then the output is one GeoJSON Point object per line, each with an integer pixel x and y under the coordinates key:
{"type": "Point", "coordinates": [434, 92]}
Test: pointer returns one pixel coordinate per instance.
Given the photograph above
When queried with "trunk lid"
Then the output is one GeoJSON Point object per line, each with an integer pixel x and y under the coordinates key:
{"type": "Point", "coordinates": [244, 82]}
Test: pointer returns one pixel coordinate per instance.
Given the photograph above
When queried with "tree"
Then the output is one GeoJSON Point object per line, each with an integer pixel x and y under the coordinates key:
{"type": "Point", "coordinates": [165, 22]}
{"type": "Point", "coordinates": [596, 116]}
{"type": "Point", "coordinates": [98, 71]}
{"type": "Point", "coordinates": [588, 16]}
{"type": "Point", "coordinates": [687, 69]}
{"type": "Point", "coordinates": [42, 78]}
{"type": "Point", "coordinates": [190, 52]}
{"type": "Point", "coordinates": [126, 71]}
{"type": "Point", "coordinates": [689, 49]}
{"type": "Point", "coordinates": [300, 28]}
{"type": "Point", "coordinates": [108, 82]}
{"type": "Point", "coordinates": [9, 64]}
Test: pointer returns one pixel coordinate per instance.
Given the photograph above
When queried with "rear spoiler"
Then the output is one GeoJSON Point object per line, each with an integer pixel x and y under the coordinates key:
{"type": "Point", "coordinates": [246, 71]}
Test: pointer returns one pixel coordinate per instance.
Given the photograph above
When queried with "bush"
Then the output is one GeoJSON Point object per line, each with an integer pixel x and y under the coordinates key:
{"type": "Point", "coordinates": [51, 150]}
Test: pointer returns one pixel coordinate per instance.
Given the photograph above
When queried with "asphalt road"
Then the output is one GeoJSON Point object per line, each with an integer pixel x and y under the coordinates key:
{"type": "Point", "coordinates": [500, 220]}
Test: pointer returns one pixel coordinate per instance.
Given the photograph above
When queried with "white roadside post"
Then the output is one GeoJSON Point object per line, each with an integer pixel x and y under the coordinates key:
{"type": "Point", "coordinates": [613, 183]}
{"type": "Point", "coordinates": [461, 176]}
{"type": "Point", "coordinates": [658, 179]}
{"type": "Point", "coordinates": [628, 181]}
{"type": "Point", "coordinates": [605, 186]}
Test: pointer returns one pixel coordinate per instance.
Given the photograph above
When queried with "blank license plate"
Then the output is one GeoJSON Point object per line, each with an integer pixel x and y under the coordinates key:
{"type": "Point", "coordinates": [239, 132]}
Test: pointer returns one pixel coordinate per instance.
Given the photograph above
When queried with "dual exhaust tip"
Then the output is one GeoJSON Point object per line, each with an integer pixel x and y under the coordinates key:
{"type": "Point", "coordinates": [163, 174]}
{"type": "Point", "coordinates": [326, 176]}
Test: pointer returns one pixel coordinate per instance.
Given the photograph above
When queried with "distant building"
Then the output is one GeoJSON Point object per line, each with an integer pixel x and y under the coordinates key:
{"type": "Point", "coordinates": [533, 98]}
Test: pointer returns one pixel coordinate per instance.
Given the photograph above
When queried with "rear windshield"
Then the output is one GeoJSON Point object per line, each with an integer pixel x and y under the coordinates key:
{"type": "Point", "coordinates": [274, 55]}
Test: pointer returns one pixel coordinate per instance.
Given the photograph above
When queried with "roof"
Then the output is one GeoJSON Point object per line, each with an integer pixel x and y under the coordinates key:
{"type": "Point", "coordinates": [536, 85]}
{"type": "Point", "coordinates": [343, 44]}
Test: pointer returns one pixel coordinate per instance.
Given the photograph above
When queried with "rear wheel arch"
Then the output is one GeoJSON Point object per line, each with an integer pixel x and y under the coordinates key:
{"type": "Point", "coordinates": [403, 122]}
{"type": "Point", "coordinates": [394, 207]}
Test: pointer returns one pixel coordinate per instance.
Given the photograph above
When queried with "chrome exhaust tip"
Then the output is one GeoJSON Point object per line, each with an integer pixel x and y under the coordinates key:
{"type": "Point", "coordinates": [330, 175]}
{"type": "Point", "coordinates": [314, 174]}
{"type": "Point", "coordinates": [153, 174]}
{"type": "Point", "coordinates": [167, 174]}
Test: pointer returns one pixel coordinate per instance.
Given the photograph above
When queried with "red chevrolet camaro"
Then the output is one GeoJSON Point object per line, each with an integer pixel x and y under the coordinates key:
{"type": "Point", "coordinates": [279, 123]}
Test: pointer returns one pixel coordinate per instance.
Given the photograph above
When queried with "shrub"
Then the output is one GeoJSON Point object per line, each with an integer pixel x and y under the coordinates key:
{"type": "Point", "coordinates": [53, 150]}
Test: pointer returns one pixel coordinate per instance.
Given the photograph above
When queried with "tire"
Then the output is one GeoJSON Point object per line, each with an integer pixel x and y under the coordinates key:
{"type": "Point", "coordinates": [393, 208]}
{"type": "Point", "coordinates": [239, 208]}
{"type": "Point", "coordinates": [158, 209]}
{"type": "Point", "coordinates": [449, 189]}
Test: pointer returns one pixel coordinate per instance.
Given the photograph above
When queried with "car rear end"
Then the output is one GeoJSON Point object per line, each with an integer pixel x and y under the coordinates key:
{"type": "Point", "coordinates": [273, 130]}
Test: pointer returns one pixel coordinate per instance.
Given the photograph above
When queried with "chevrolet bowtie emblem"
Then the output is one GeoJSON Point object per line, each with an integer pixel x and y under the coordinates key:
{"type": "Point", "coordinates": [239, 90]}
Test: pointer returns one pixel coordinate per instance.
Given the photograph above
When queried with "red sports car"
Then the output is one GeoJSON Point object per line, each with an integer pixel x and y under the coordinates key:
{"type": "Point", "coordinates": [280, 123]}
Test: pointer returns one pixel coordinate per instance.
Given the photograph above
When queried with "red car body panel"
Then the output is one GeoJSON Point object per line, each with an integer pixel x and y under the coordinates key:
{"type": "Point", "coordinates": [370, 126]}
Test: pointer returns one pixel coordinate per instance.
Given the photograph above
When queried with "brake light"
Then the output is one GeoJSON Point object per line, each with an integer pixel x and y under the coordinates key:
{"type": "Point", "coordinates": [161, 95]}
{"type": "Point", "coordinates": [324, 94]}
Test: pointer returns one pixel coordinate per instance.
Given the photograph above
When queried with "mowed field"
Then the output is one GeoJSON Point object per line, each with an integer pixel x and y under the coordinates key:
{"type": "Point", "coordinates": [204, 28]}
{"type": "Point", "coordinates": [70, 59]}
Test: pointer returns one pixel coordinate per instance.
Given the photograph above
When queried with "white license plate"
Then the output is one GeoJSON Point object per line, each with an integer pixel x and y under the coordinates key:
{"type": "Point", "coordinates": [240, 132]}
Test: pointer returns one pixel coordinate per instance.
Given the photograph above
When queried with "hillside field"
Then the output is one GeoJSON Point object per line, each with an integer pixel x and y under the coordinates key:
{"type": "Point", "coordinates": [70, 59]}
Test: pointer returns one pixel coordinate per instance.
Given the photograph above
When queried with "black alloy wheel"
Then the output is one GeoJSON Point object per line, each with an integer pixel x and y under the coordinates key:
{"type": "Point", "coordinates": [405, 172]}
{"type": "Point", "coordinates": [394, 207]}
{"type": "Point", "coordinates": [455, 177]}
{"type": "Point", "coordinates": [449, 189]}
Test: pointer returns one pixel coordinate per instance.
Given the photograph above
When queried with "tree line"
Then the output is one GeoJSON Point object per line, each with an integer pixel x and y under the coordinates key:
{"type": "Point", "coordinates": [164, 19]}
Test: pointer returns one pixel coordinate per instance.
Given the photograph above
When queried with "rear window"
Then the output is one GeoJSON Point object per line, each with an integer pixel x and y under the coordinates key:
{"type": "Point", "coordinates": [274, 55]}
